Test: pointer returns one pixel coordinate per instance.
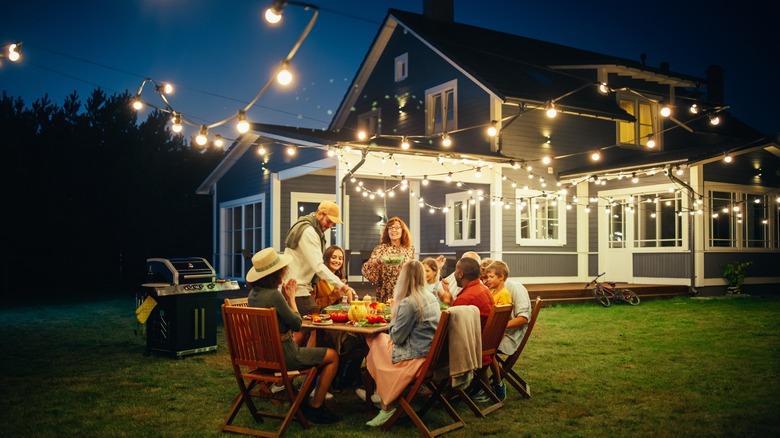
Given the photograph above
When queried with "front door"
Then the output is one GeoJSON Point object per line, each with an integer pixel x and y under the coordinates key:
{"type": "Point", "coordinates": [616, 239]}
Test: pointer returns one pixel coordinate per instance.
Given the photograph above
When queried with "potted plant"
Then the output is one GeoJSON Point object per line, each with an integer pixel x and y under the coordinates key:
{"type": "Point", "coordinates": [735, 274]}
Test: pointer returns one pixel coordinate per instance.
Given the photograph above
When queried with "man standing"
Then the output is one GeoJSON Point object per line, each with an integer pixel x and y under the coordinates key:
{"type": "Point", "coordinates": [305, 242]}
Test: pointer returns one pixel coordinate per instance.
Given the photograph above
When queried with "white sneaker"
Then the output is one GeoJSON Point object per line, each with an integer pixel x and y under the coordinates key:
{"type": "Point", "coordinates": [375, 398]}
{"type": "Point", "coordinates": [381, 418]}
{"type": "Point", "coordinates": [328, 396]}
{"type": "Point", "coordinates": [276, 388]}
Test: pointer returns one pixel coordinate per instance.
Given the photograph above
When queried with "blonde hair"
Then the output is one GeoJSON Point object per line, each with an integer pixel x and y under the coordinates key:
{"type": "Point", "coordinates": [411, 283]}
{"type": "Point", "coordinates": [483, 267]}
{"type": "Point", "coordinates": [498, 267]}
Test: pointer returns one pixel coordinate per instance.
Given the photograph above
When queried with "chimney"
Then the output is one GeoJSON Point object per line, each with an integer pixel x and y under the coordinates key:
{"type": "Point", "coordinates": [715, 83]}
{"type": "Point", "coordinates": [643, 58]}
{"type": "Point", "coordinates": [439, 10]}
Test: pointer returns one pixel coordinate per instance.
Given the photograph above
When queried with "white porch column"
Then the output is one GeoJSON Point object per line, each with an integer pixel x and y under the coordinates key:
{"type": "Point", "coordinates": [697, 246]}
{"type": "Point", "coordinates": [414, 215]}
{"type": "Point", "coordinates": [276, 211]}
{"type": "Point", "coordinates": [583, 230]}
{"type": "Point", "coordinates": [496, 214]}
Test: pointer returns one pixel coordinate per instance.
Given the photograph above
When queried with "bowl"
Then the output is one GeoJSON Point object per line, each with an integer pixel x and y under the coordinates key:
{"type": "Point", "coordinates": [392, 260]}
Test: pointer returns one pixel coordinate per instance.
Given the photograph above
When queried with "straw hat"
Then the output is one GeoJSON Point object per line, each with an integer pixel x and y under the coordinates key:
{"type": "Point", "coordinates": [332, 210]}
{"type": "Point", "coordinates": [266, 262]}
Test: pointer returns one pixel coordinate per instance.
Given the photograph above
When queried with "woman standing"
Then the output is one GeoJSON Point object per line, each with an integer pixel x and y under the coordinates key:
{"type": "Point", "coordinates": [265, 277]}
{"type": "Point", "coordinates": [394, 359]}
{"type": "Point", "coordinates": [395, 249]}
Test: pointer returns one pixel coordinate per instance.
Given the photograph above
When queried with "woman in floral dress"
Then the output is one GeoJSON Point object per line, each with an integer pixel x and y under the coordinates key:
{"type": "Point", "coordinates": [395, 242]}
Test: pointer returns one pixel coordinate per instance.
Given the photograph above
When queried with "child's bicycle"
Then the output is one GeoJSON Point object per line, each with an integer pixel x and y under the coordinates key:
{"type": "Point", "coordinates": [606, 292]}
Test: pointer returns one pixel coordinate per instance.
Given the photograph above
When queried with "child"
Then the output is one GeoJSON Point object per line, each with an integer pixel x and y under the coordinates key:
{"type": "Point", "coordinates": [495, 276]}
{"type": "Point", "coordinates": [432, 281]}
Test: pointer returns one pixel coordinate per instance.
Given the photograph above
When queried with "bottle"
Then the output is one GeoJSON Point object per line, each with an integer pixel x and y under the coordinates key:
{"type": "Point", "coordinates": [344, 304]}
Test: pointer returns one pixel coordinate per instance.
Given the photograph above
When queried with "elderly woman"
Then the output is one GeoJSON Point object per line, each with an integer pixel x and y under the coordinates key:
{"type": "Point", "coordinates": [395, 249]}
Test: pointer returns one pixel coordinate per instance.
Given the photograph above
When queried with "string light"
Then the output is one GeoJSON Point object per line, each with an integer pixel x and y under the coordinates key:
{"type": "Point", "coordinates": [218, 141]}
{"type": "Point", "coordinates": [650, 141]}
{"type": "Point", "coordinates": [284, 77]}
{"type": "Point", "coordinates": [14, 53]}
{"type": "Point", "coordinates": [404, 143]}
{"type": "Point", "coordinates": [666, 111]}
{"type": "Point", "coordinates": [550, 109]}
{"type": "Point", "coordinates": [176, 127]}
{"type": "Point", "coordinates": [202, 136]}
{"type": "Point", "coordinates": [595, 156]}
{"type": "Point", "coordinates": [727, 157]}
{"type": "Point", "coordinates": [492, 129]}
{"type": "Point", "coordinates": [242, 125]}
{"type": "Point", "coordinates": [445, 140]}
{"type": "Point", "coordinates": [137, 104]}
{"type": "Point", "coordinates": [603, 88]}
{"type": "Point", "coordinates": [714, 120]}
{"type": "Point", "coordinates": [273, 14]}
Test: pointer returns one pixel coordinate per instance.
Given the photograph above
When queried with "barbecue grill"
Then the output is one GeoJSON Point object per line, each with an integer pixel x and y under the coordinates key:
{"type": "Point", "coordinates": [184, 320]}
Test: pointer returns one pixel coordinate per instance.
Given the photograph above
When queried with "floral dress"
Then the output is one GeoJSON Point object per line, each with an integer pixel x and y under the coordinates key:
{"type": "Point", "coordinates": [384, 275]}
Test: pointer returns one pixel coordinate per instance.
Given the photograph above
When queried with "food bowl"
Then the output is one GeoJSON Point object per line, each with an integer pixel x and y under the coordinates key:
{"type": "Point", "coordinates": [392, 260]}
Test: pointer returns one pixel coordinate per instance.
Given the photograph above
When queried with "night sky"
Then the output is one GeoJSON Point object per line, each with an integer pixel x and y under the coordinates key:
{"type": "Point", "coordinates": [219, 54]}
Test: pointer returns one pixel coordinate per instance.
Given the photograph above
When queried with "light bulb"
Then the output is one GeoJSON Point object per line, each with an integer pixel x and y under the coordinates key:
{"type": "Point", "coordinates": [176, 123]}
{"type": "Point", "coordinates": [445, 141]}
{"type": "Point", "coordinates": [242, 126]}
{"type": "Point", "coordinates": [727, 158]}
{"type": "Point", "coordinates": [666, 111]}
{"type": "Point", "coordinates": [167, 88]}
{"type": "Point", "coordinates": [273, 15]}
{"type": "Point", "coordinates": [694, 109]}
{"type": "Point", "coordinates": [137, 104]}
{"type": "Point", "coordinates": [546, 160]}
{"type": "Point", "coordinates": [284, 77]}
{"type": "Point", "coordinates": [13, 52]}
{"type": "Point", "coordinates": [595, 156]}
{"type": "Point", "coordinates": [404, 143]}
{"type": "Point", "coordinates": [492, 129]}
{"type": "Point", "coordinates": [603, 88]}
{"type": "Point", "coordinates": [551, 111]}
{"type": "Point", "coordinates": [714, 120]}
{"type": "Point", "coordinates": [218, 142]}
{"type": "Point", "coordinates": [202, 136]}
{"type": "Point", "coordinates": [650, 142]}
{"type": "Point", "coordinates": [361, 135]}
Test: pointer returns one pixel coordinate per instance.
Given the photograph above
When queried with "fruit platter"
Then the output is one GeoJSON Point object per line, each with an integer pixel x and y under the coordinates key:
{"type": "Point", "coordinates": [376, 320]}
{"type": "Point", "coordinates": [393, 260]}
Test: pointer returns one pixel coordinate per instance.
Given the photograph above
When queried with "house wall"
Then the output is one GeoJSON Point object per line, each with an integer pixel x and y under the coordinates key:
{"type": "Point", "coordinates": [426, 70]}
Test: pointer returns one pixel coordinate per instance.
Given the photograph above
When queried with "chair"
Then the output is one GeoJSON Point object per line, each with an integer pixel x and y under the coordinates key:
{"type": "Point", "coordinates": [491, 338]}
{"type": "Point", "coordinates": [255, 347]}
{"type": "Point", "coordinates": [426, 376]}
{"type": "Point", "coordinates": [506, 366]}
{"type": "Point", "coordinates": [237, 302]}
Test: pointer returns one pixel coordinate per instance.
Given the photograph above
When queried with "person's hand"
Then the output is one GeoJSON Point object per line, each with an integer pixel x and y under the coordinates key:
{"type": "Point", "coordinates": [440, 261]}
{"type": "Point", "coordinates": [289, 289]}
{"type": "Point", "coordinates": [445, 296]}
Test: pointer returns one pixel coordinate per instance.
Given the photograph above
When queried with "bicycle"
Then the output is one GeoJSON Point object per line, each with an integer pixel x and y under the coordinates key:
{"type": "Point", "coordinates": [606, 292]}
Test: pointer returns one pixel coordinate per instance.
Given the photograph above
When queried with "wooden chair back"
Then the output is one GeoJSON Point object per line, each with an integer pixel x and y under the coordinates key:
{"type": "Point", "coordinates": [255, 347]}
{"type": "Point", "coordinates": [506, 366]}
{"type": "Point", "coordinates": [425, 375]}
{"type": "Point", "coordinates": [237, 302]}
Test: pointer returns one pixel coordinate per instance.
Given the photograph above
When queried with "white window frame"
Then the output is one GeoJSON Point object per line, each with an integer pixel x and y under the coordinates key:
{"type": "Point", "coordinates": [401, 67]}
{"type": "Point", "coordinates": [370, 122]}
{"type": "Point", "coordinates": [314, 198]}
{"type": "Point", "coordinates": [531, 196]}
{"type": "Point", "coordinates": [451, 199]}
{"type": "Point", "coordinates": [742, 196]}
{"type": "Point", "coordinates": [430, 101]}
{"type": "Point", "coordinates": [225, 245]}
{"type": "Point", "coordinates": [640, 137]}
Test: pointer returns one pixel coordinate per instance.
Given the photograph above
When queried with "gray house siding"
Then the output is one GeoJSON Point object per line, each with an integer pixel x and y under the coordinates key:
{"type": "Point", "coordinates": [433, 227]}
{"type": "Point", "coordinates": [765, 264]}
{"type": "Point", "coordinates": [662, 265]}
{"type": "Point", "coordinates": [244, 179]}
{"type": "Point", "coordinates": [426, 70]}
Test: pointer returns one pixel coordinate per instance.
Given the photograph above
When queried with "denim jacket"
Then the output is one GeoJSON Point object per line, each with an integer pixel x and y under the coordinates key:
{"type": "Point", "coordinates": [411, 335]}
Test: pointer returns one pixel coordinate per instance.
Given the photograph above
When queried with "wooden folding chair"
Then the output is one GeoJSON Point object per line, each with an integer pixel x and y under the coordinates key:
{"type": "Point", "coordinates": [255, 347]}
{"type": "Point", "coordinates": [237, 302]}
{"type": "Point", "coordinates": [506, 366]}
{"type": "Point", "coordinates": [491, 337]}
{"type": "Point", "coordinates": [426, 376]}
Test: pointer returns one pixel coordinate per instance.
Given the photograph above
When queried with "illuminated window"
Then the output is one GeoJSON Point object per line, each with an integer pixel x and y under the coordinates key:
{"type": "Point", "coordinates": [658, 223]}
{"type": "Point", "coordinates": [636, 133]}
{"type": "Point", "coordinates": [401, 67]}
{"type": "Point", "coordinates": [738, 221]}
{"type": "Point", "coordinates": [541, 221]}
{"type": "Point", "coordinates": [462, 219]}
{"type": "Point", "coordinates": [242, 231]}
{"type": "Point", "coordinates": [442, 108]}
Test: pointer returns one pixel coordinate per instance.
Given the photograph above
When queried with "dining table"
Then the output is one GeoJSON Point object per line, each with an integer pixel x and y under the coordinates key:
{"type": "Point", "coordinates": [349, 327]}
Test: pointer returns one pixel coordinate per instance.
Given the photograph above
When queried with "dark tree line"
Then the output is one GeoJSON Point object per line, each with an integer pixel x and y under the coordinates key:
{"type": "Point", "coordinates": [91, 193]}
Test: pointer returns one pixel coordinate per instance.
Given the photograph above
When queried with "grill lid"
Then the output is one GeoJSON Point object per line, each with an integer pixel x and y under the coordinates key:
{"type": "Point", "coordinates": [184, 270]}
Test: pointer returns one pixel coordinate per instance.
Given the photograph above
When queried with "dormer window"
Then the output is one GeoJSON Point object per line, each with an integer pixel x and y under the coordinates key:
{"type": "Point", "coordinates": [646, 125]}
{"type": "Point", "coordinates": [401, 67]}
{"type": "Point", "coordinates": [441, 106]}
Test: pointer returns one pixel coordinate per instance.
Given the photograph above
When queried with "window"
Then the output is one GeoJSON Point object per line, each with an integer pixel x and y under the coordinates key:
{"type": "Point", "coordinates": [441, 108]}
{"type": "Point", "coordinates": [739, 220]}
{"type": "Point", "coordinates": [658, 222]}
{"type": "Point", "coordinates": [401, 67]}
{"type": "Point", "coordinates": [462, 219]}
{"type": "Point", "coordinates": [370, 123]}
{"type": "Point", "coordinates": [242, 231]}
{"type": "Point", "coordinates": [646, 124]}
{"type": "Point", "coordinates": [541, 220]}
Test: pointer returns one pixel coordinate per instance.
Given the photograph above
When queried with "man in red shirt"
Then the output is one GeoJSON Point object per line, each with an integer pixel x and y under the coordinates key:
{"type": "Point", "coordinates": [473, 292]}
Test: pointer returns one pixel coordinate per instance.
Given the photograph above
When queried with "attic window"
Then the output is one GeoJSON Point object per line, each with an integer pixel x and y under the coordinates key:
{"type": "Point", "coordinates": [401, 67]}
{"type": "Point", "coordinates": [442, 108]}
{"type": "Point", "coordinates": [637, 133]}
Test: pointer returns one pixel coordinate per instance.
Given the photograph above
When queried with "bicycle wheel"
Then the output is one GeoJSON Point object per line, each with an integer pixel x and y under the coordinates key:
{"type": "Point", "coordinates": [601, 297]}
{"type": "Point", "coordinates": [630, 297]}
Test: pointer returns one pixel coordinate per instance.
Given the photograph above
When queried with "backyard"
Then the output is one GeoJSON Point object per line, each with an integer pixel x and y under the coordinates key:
{"type": "Point", "coordinates": [676, 367]}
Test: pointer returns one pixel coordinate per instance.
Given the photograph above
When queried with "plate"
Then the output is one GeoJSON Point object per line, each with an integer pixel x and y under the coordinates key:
{"type": "Point", "coordinates": [325, 322]}
{"type": "Point", "coordinates": [323, 317]}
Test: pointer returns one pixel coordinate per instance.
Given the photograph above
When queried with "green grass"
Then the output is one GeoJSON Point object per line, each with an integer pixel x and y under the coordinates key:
{"type": "Point", "coordinates": [678, 367]}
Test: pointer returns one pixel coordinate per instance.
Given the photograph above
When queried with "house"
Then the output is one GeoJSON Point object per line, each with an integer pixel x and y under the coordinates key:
{"type": "Point", "coordinates": [448, 127]}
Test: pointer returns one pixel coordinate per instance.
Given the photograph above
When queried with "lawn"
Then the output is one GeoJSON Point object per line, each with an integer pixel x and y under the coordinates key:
{"type": "Point", "coordinates": [677, 367]}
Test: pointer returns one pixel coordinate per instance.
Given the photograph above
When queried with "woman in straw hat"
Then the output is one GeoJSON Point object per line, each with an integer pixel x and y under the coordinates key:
{"type": "Point", "coordinates": [265, 277]}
